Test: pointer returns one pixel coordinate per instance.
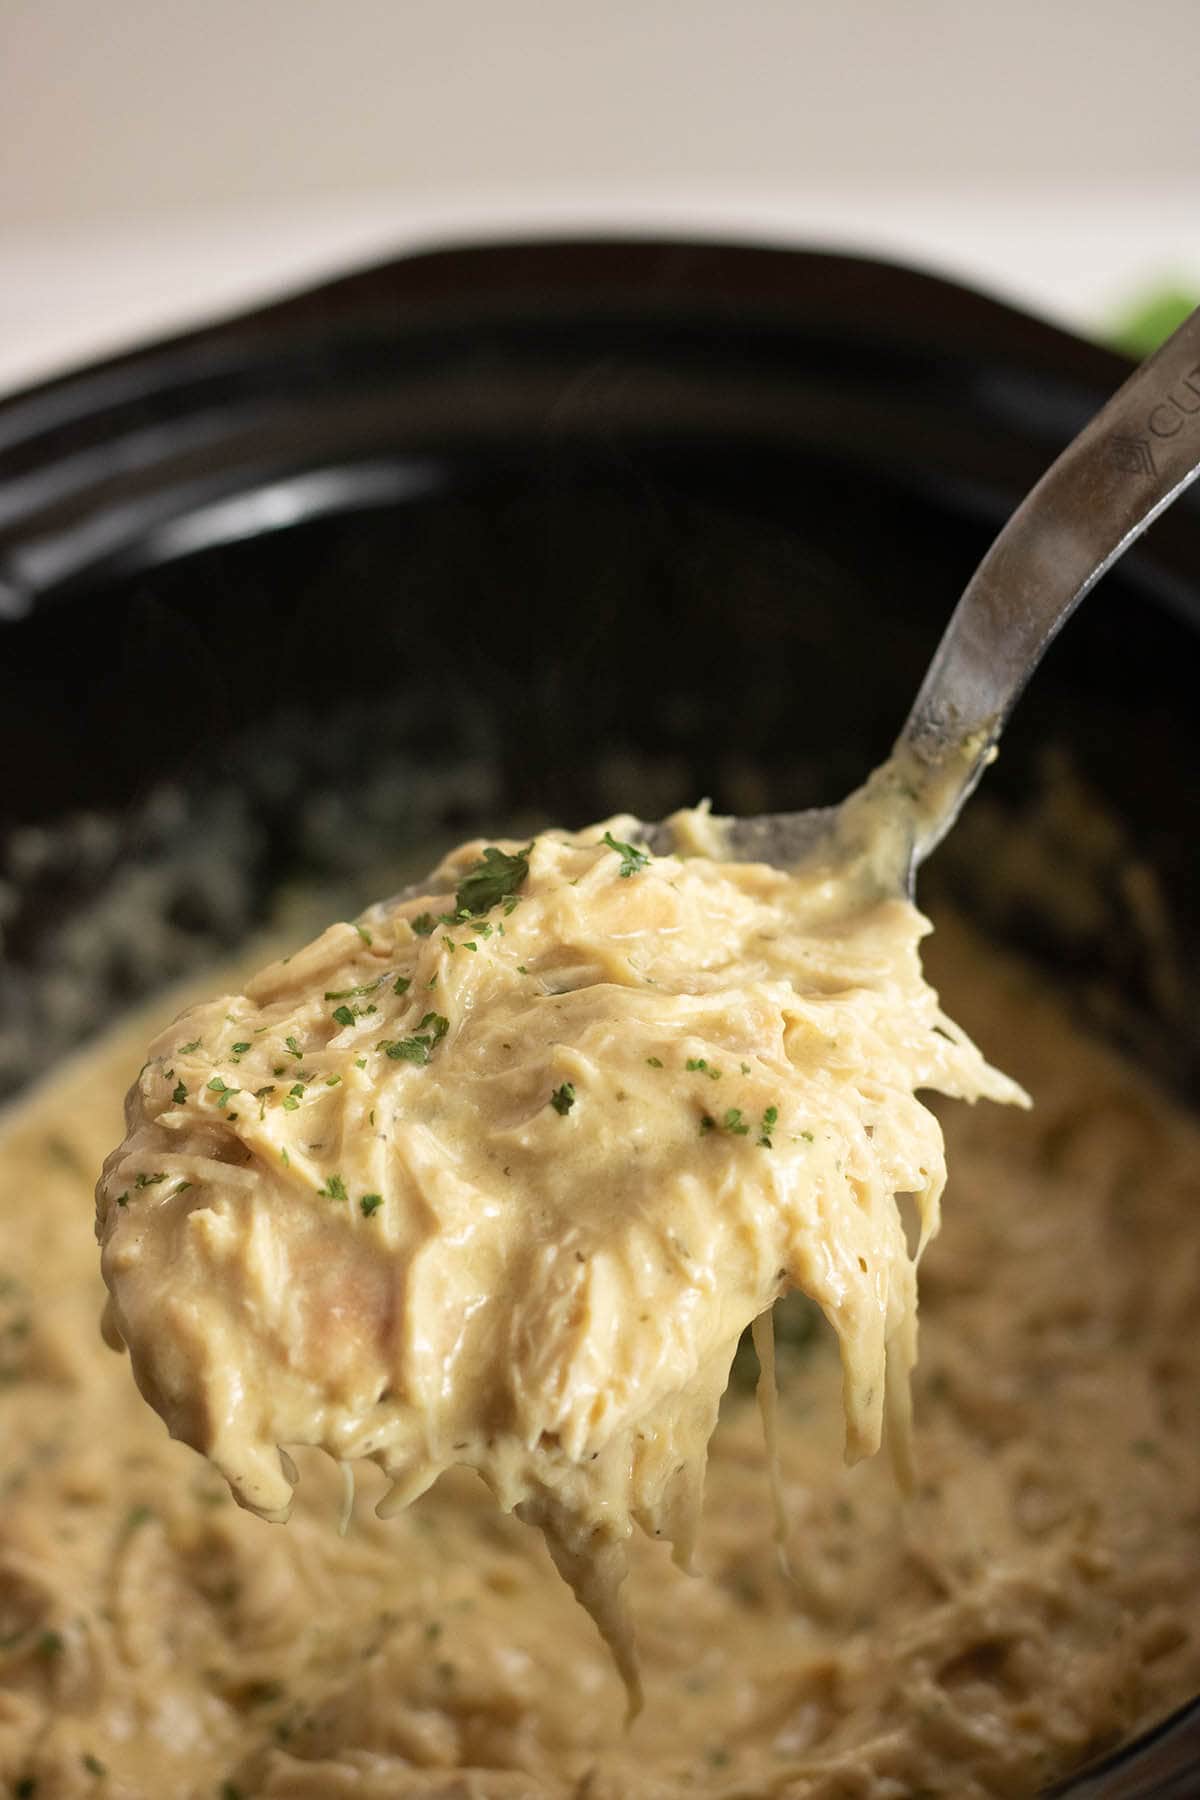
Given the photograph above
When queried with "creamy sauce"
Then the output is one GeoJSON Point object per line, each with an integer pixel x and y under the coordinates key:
{"type": "Point", "coordinates": [499, 1175]}
{"type": "Point", "coordinates": [1034, 1600]}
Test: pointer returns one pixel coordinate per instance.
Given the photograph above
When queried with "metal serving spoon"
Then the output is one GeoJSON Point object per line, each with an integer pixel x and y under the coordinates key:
{"type": "Point", "coordinates": [1127, 465]}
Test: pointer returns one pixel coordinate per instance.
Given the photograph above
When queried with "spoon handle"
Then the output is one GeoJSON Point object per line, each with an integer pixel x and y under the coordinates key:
{"type": "Point", "coordinates": [1126, 466]}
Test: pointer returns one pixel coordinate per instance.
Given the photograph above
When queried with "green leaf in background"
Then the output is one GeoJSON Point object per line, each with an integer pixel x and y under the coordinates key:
{"type": "Point", "coordinates": [1141, 327]}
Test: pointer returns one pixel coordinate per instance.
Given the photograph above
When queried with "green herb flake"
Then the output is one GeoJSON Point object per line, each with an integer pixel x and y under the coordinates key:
{"type": "Point", "coordinates": [360, 1062]}
{"type": "Point", "coordinates": [364, 934]}
{"type": "Point", "coordinates": [402, 984]}
{"type": "Point", "coordinates": [145, 1181]}
{"type": "Point", "coordinates": [93, 1765]}
{"type": "Point", "coordinates": [333, 1081]}
{"type": "Point", "coordinates": [419, 1048]}
{"type": "Point", "coordinates": [632, 859]}
{"type": "Point", "coordinates": [356, 993]}
{"type": "Point", "coordinates": [186, 1049]}
{"type": "Point", "coordinates": [182, 1188]}
{"type": "Point", "coordinates": [423, 924]}
{"type": "Point", "coordinates": [180, 1094]}
{"type": "Point", "coordinates": [293, 1048]}
{"type": "Point", "coordinates": [495, 877]}
{"type": "Point", "coordinates": [123, 1199]}
{"type": "Point", "coordinates": [334, 1189]}
{"type": "Point", "coordinates": [808, 1137]}
{"type": "Point", "coordinates": [521, 969]}
{"type": "Point", "coordinates": [734, 1123]}
{"type": "Point", "coordinates": [745, 1068]}
{"type": "Point", "coordinates": [655, 1062]}
{"type": "Point", "coordinates": [770, 1119]}
{"type": "Point", "coordinates": [222, 1090]}
{"type": "Point", "coordinates": [700, 1065]}
{"type": "Point", "coordinates": [707, 1124]}
{"type": "Point", "coordinates": [563, 1099]}
{"type": "Point", "coordinates": [369, 1203]}
{"type": "Point", "coordinates": [285, 1159]}
{"type": "Point", "coordinates": [343, 1016]}
{"type": "Point", "coordinates": [240, 1049]}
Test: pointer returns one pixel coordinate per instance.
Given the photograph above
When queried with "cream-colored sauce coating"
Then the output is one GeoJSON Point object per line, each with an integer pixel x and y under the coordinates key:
{"type": "Point", "coordinates": [505, 1190]}
{"type": "Point", "coordinates": [1033, 1601]}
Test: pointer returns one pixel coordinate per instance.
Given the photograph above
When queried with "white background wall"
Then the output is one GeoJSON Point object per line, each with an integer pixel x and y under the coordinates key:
{"type": "Point", "coordinates": [162, 158]}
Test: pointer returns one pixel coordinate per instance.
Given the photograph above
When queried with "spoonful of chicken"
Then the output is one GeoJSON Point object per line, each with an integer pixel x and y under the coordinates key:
{"type": "Point", "coordinates": [498, 1173]}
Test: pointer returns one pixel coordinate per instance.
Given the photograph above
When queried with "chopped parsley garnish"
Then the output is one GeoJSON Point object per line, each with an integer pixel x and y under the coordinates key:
{"type": "Point", "coordinates": [701, 1065]}
{"type": "Point", "coordinates": [495, 877]}
{"type": "Point", "coordinates": [293, 1097]}
{"type": "Point", "coordinates": [734, 1123]}
{"type": "Point", "coordinates": [186, 1049]}
{"type": "Point", "coordinates": [355, 993]}
{"type": "Point", "coordinates": [770, 1119]}
{"type": "Point", "coordinates": [123, 1199]}
{"type": "Point", "coordinates": [808, 1137]}
{"type": "Point", "coordinates": [403, 983]}
{"type": "Point", "coordinates": [223, 1092]}
{"type": "Point", "coordinates": [332, 1080]}
{"type": "Point", "coordinates": [360, 1062]}
{"type": "Point", "coordinates": [364, 934]}
{"type": "Point", "coordinates": [563, 1099]}
{"type": "Point", "coordinates": [181, 1189]}
{"type": "Point", "coordinates": [655, 1062]}
{"type": "Point", "coordinates": [745, 1068]}
{"type": "Point", "coordinates": [180, 1094]}
{"type": "Point", "coordinates": [707, 1123]}
{"type": "Point", "coordinates": [93, 1765]}
{"type": "Point", "coordinates": [419, 1048]}
{"type": "Point", "coordinates": [369, 1202]}
{"type": "Point", "coordinates": [632, 859]}
{"type": "Point", "coordinates": [293, 1047]}
{"type": "Point", "coordinates": [334, 1189]}
{"type": "Point", "coordinates": [423, 924]}
{"type": "Point", "coordinates": [521, 969]}
{"type": "Point", "coordinates": [145, 1181]}
{"type": "Point", "coordinates": [240, 1049]}
{"type": "Point", "coordinates": [343, 1016]}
